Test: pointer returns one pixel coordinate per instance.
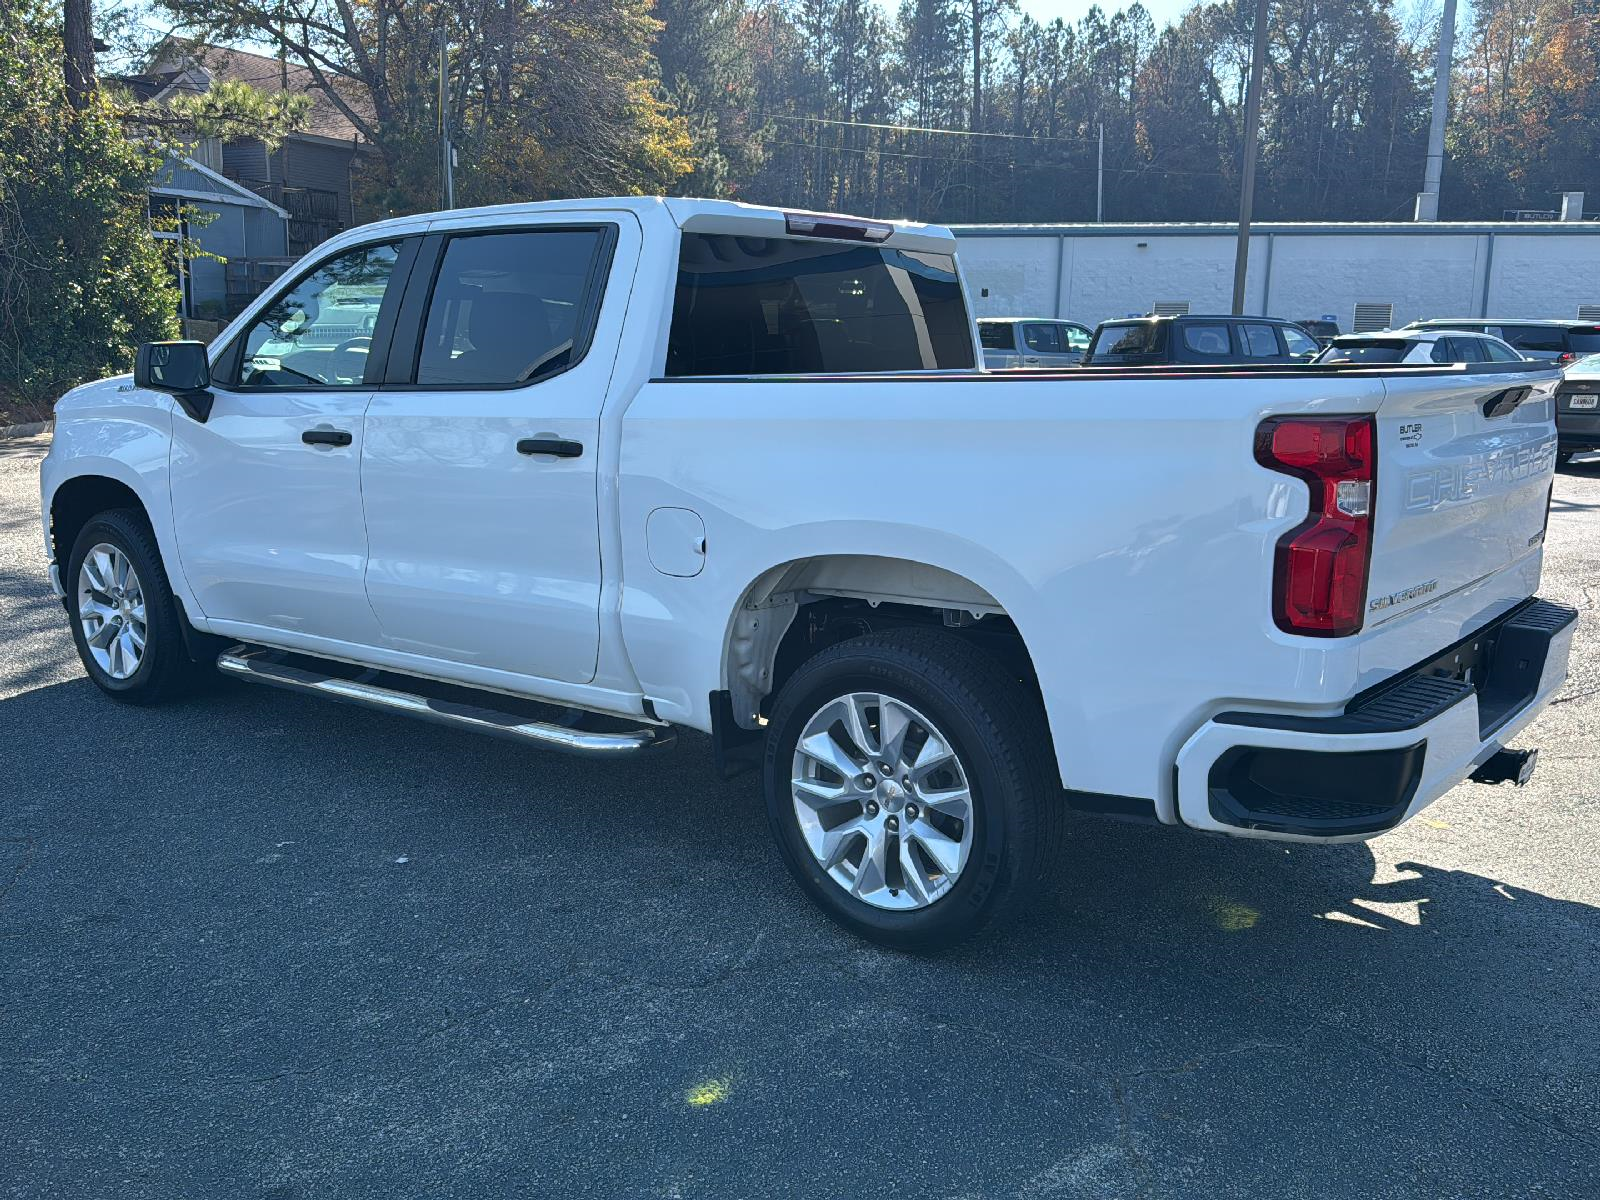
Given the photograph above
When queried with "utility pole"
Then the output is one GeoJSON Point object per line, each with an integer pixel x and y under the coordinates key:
{"type": "Point", "coordinates": [447, 174]}
{"type": "Point", "coordinates": [1247, 169]}
{"type": "Point", "coordinates": [1428, 199]}
{"type": "Point", "coordinates": [1100, 180]}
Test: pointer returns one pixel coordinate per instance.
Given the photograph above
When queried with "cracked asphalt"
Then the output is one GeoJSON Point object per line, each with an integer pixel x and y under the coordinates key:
{"type": "Point", "coordinates": [255, 945]}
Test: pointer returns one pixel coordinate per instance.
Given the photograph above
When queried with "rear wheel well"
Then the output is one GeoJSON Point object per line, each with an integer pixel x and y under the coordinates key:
{"type": "Point", "coordinates": [827, 621]}
{"type": "Point", "coordinates": [79, 499]}
{"type": "Point", "coordinates": [802, 608]}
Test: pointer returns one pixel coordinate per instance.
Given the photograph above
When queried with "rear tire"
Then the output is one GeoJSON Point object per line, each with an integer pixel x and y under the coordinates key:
{"type": "Point", "coordinates": [849, 838]}
{"type": "Point", "coordinates": [126, 624]}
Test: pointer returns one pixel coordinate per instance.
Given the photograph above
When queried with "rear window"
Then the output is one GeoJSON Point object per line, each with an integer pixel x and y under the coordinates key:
{"type": "Point", "coordinates": [995, 335]}
{"type": "Point", "coordinates": [1535, 337]}
{"type": "Point", "coordinates": [781, 306]}
{"type": "Point", "coordinates": [1583, 341]}
{"type": "Point", "coordinates": [1133, 340]}
{"type": "Point", "coordinates": [1366, 351]}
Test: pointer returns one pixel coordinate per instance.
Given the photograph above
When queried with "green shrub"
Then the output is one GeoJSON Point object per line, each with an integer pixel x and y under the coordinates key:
{"type": "Point", "coordinates": [82, 282]}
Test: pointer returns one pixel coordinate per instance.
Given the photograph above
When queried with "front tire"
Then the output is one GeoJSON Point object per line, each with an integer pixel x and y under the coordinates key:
{"type": "Point", "coordinates": [954, 836]}
{"type": "Point", "coordinates": [126, 623]}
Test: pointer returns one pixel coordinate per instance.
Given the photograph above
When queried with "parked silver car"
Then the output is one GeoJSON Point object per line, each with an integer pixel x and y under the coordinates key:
{"type": "Point", "coordinates": [1032, 342]}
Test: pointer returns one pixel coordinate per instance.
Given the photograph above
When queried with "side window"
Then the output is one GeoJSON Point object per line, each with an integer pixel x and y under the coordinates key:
{"type": "Point", "coordinates": [797, 306]}
{"type": "Point", "coordinates": [1207, 339]}
{"type": "Point", "coordinates": [1444, 351]}
{"type": "Point", "coordinates": [1498, 353]}
{"type": "Point", "coordinates": [509, 308]}
{"type": "Point", "coordinates": [1041, 338]}
{"type": "Point", "coordinates": [1074, 338]}
{"type": "Point", "coordinates": [1299, 343]}
{"type": "Point", "coordinates": [1260, 341]}
{"type": "Point", "coordinates": [316, 334]}
{"type": "Point", "coordinates": [995, 335]}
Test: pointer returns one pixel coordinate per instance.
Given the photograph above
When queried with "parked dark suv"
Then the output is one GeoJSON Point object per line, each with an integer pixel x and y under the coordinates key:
{"type": "Point", "coordinates": [1158, 341]}
{"type": "Point", "coordinates": [1561, 342]}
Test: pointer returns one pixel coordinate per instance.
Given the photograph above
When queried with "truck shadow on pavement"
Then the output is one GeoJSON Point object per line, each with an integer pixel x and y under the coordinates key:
{"type": "Point", "coordinates": [305, 908]}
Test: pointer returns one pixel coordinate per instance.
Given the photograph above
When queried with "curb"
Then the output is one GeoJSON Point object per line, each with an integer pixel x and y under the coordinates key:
{"type": "Point", "coordinates": [22, 431]}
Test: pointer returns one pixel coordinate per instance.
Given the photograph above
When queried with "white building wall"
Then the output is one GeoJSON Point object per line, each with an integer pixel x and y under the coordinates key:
{"type": "Point", "coordinates": [1095, 273]}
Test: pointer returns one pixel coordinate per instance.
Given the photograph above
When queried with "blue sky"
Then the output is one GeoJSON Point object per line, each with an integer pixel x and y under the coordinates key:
{"type": "Point", "coordinates": [1162, 12]}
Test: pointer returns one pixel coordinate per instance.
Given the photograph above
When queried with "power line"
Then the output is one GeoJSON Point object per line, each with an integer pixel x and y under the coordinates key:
{"type": "Point", "coordinates": [974, 133]}
{"type": "Point", "coordinates": [1151, 170]}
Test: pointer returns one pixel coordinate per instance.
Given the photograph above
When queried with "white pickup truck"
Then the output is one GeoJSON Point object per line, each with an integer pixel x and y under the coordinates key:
{"type": "Point", "coordinates": [578, 473]}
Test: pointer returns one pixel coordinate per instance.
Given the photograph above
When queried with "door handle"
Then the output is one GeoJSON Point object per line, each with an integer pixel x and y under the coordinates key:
{"type": "Point", "coordinates": [1030, 358]}
{"type": "Point", "coordinates": [559, 447]}
{"type": "Point", "coordinates": [326, 437]}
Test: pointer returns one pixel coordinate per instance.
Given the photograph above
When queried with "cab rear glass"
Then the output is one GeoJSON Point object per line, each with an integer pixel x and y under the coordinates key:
{"type": "Point", "coordinates": [1134, 339]}
{"type": "Point", "coordinates": [1367, 351]}
{"type": "Point", "coordinates": [790, 306]}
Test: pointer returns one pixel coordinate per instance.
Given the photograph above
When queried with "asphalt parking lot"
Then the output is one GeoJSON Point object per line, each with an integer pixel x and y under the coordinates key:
{"type": "Point", "coordinates": [259, 946]}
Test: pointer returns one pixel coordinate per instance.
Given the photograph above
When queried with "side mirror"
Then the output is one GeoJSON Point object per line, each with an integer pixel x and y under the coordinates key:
{"type": "Point", "coordinates": [179, 368]}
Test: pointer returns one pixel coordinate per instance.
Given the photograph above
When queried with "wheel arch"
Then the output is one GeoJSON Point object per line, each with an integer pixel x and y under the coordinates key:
{"type": "Point", "coordinates": [796, 608]}
{"type": "Point", "coordinates": [79, 497]}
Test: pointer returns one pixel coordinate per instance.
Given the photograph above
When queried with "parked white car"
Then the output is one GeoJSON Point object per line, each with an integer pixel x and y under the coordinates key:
{"type": "Point", "coordinates": [1417, 346]}
{"type": "Point", "coordinates": [605, 468]}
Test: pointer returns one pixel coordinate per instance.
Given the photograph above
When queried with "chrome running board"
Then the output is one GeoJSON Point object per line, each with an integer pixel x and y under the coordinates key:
{"type": "Point", "coordinates": [270, 667]}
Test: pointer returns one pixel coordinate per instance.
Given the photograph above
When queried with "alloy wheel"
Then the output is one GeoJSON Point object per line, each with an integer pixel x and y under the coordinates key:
{"type": "Point", "coordinates": [882, 800]}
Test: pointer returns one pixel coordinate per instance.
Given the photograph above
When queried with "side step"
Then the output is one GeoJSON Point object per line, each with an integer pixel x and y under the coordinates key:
{"type": "Point", "coordinates": [273, 667]}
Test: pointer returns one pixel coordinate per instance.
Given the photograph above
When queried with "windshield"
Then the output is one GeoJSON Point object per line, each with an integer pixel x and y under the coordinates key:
{"type": "Point", "coordinates": [1365, 351]}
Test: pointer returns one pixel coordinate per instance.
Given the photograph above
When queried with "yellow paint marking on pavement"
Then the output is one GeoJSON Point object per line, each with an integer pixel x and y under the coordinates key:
{"type": "Point", "coordinates": [1232, 916]}
{"type": "Point", "coordinates": [707, 1093]}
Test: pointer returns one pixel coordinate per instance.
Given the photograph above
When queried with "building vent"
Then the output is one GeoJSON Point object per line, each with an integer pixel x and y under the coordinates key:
{"type": "Point", "coordinates": [1170, 308]}
{"type": "Point", "coordinates": [1589, 312]}
{"type": "Point", "coordinates": [1371, 318]}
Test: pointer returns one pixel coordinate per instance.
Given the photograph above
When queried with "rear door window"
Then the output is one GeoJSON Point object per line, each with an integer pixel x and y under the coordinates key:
{"type": "Point", "coordinates": [1042, 338]}
{"type": "Point", "coordinates": [1495, 352]}
{"type": "Point", "coordinates": [1445, 350]}
{"type": "Point", "coordinates": [788, 306]}
{"type": "Point", "coordinates": [1207, 339]}
{"type": "Point", "coordinates": [1260, 341]}
{"type": "Point", "coordinates": [510, 308]}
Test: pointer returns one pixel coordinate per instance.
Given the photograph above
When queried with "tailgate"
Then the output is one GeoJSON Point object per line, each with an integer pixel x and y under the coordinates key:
{"type": "Point", "coordinates": [1463, 483]}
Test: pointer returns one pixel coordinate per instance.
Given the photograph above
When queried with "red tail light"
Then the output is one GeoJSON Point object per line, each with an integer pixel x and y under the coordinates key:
{"type": "Point", "coordinates": [1319, 584]}
{"type": "Point", "coordinates": [1567, 357]}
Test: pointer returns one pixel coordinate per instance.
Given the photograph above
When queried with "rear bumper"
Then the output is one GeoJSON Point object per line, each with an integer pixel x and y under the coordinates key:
{"type": "Point", "coordinates": [1577, 429]}
{"type": "Point", "coordinates": [1393, 750]}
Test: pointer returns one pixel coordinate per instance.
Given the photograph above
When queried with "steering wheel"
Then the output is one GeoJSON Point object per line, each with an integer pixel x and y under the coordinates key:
{"type": "Point", "coordinates": [338, 360]}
